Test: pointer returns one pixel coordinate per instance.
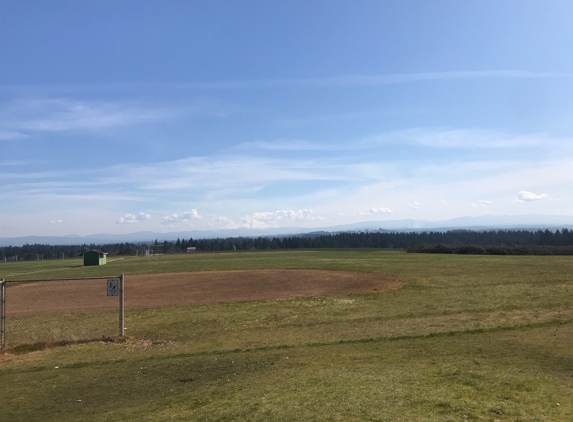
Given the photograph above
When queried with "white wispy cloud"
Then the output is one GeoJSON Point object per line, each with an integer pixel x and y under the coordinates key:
{"type": "Point", "coordinates": [220, 221]}
{"type": "Point", "coordinates": [443, 138]}
{"type": "Point", "coordinates": [100, 197]}
{"type": "Point", "coordinates": [481, 203]}
{"type": "Point", "coordinates": [525, 196]}
{"type": "Point", "coordinates": [414, 205]}
{"type": "Point", "coordinates": [132, 218]}
{"type": "Point", "coordinates": [185, 216]}
{"type": "Point", "coordinates": [332, 81]}
{"type": "Point", "coordinates": [262, 220]}
{"type": "Point", "coordinates": [18, 163]}
{"type": "Point", "coordinates": [246, 222]}
{"type": "Point", "coordinates": [21, 117]}
{"type": "Point", "coordinates": [9, 135]}
{"type": "Point", "coordinates": [229, 172]}
{"type": "Point", "coordinates": [251, 223]}
{"type": "Point", "coordinates": [229, 178]}
{"type": "Point", "coordinates": [286, 215]}
{"type": "Point", "coordinates": [247, 184]}
{"type": "Point", "coordinates": [462, 139]}
{"type": "Point", "coordinates": [285, 145]}
{"type": "Point", "coordinates": [127, 218]}
{"type": "Point", "coordinates": [349, 116]}
{"type": "Point", "coordinates": [381, 210]}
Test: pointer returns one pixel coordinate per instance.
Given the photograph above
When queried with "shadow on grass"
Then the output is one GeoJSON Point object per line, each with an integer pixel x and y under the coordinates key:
{"type": "Point", "coordinates": [33, 347]}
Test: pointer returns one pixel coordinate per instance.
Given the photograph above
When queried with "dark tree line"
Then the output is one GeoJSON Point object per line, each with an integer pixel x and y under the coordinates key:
{"type": "Point", "coordinates": [401, 240]}
{"type": "Point", "coordinates": [492, 249]}
{"type": "Point", "coordinates": [68, 250]}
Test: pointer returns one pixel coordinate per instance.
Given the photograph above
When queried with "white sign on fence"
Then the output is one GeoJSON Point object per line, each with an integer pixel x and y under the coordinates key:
{"type": "Point", "coordinates": [112, 289]}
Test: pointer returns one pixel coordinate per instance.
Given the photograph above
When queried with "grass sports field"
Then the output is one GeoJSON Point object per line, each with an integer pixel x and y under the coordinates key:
{"type": "Point", "coordinates": [453, 338]}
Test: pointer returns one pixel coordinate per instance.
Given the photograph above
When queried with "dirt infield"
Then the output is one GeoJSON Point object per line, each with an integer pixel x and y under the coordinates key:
{"type": "Point", "coordinates": [194, 288]}
{"type": "Point", "coordinates": [233, 286]}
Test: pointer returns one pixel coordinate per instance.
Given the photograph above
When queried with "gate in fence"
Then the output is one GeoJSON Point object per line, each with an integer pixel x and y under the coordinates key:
{"type": "Point", "coordinates": [80, 309]}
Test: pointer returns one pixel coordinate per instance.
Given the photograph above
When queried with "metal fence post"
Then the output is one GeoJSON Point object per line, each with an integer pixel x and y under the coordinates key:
{"type": "Point", "coordinates": [2, 314]}
{"type": "Point", "coordinates": [121, 306]}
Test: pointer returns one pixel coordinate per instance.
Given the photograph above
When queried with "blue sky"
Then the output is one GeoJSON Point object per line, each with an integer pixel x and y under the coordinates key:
{"type": "Point", "coordinates": [123, 116]}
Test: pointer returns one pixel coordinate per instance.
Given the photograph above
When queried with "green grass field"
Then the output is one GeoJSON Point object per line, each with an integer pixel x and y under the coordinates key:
{"type": "Point", "coordinates": [468, 338]}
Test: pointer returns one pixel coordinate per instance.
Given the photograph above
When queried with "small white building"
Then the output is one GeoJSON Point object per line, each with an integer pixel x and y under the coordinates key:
{"type": "Point", "coordinates": [192, 249]}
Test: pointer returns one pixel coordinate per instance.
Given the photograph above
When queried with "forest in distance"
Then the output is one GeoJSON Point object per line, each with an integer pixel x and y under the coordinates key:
{"type": "Point", "coordinates": [496, 242]}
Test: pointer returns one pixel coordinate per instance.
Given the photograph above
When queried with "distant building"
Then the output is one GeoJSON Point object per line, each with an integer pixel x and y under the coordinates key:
{"type": "Point", "coordinates": [192, 249]}
{"type": "Point", "coordinates": [94, 257]}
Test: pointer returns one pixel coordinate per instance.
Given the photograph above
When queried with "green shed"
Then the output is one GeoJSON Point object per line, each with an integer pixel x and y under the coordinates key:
{"type": "Point", "coordinates": [94, 257]}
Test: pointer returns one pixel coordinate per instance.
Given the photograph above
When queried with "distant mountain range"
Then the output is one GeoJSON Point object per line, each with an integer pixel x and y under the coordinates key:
{"type": "Point", "coordinates": [486, 222]}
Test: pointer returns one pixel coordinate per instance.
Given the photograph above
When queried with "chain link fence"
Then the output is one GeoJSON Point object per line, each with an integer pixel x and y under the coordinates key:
{"type": "Point", "coordinates": [44, 311]}
{"type": "Point", "coordinates": [33, 257]}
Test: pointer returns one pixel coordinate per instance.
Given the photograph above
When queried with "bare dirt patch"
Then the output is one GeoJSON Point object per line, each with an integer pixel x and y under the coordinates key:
{"type": "Point", "coordinates": [193, 288]}
{"type": "Point", "coordinates": [197, 288]}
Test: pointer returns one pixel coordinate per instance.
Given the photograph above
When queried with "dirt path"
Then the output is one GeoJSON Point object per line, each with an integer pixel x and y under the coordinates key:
{"type": "Point", "coordinates": [194, 288]}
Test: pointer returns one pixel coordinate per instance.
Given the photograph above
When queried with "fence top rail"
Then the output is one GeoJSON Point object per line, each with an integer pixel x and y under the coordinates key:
{"type": "Point", "coordinates": [61, 279]}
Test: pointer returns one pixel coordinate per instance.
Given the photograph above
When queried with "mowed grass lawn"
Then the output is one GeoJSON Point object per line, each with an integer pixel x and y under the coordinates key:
{"type": "Point", "coordinates": [467, 338]}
